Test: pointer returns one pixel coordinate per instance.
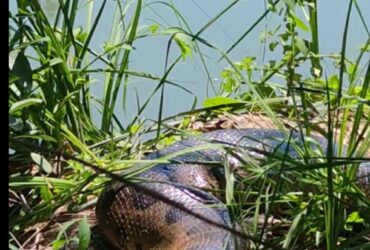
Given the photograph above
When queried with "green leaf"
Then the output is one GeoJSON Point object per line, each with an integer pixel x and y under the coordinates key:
{"type": "Point", "coordinates": [172, 30]}
{"type": "Point", "coordinates": [59, 244]}
{"type": "Point", "coordinates": [184, 43]}
{"type": "Point", "coordinates": [13, 77]}
{"type": "Point", "coordinates": [35, 137]}
{"type": "Point", "coordinates": [77, 142]}
{"type": "Point", "coordinates": [153, 28]}
{"type": "Point", "coordinates": [41, 162]}
{"type": "Point", "coordinates": [266, 90]}
{"type": "Point", "coordinates": [12, 57]}
{"type": "Point", "coordinates": [298, 220]}
{"type": "Point", "coordinates": [64, 227]}
{"type": "Point", "coordinates": [46, 194]}
{"type": "Point", "coordinates": [300, 24]}
{"type": "Point", "coordinates": [84, 234]}
{"type": "Point", "coordinates": [290, 4]}
{"type": "Point", "coordinates": [219, 100]}
{"type": "Point", "coordinates": [333, 82]}
{"type": "Point", "coordinates": [354, 217]}
{"type": "Point", "coordinates": [22, 68]}
{"type": "Point", "coordinates": [23, 4]}
{"type": "Point", "coordinates": [24, 104]}
{"type": "Point", "coordinates": [12, 247]}
{"type": "Point", "coordinates": [15, 123]}
{"type": "Point", "coordinates": [37, 181]}
{"type": "Point", "coordinates": [300, 43]}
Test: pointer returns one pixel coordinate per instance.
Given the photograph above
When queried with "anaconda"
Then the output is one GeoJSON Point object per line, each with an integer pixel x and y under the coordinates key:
{"type": "Point", "coordinates": [130, 218]}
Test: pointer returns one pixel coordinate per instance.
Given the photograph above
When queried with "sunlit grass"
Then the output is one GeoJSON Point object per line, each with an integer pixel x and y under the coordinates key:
{"type": "Point", "coordinates": [314, 204]}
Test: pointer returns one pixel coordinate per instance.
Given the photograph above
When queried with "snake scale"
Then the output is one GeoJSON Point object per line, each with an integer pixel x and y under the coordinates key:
{"type": "Point", "coordinates": [132, 219]}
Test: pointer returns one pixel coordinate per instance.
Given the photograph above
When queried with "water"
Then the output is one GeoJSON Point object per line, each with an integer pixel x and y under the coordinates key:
{"type": "Point", "coordinates": [150, 53]}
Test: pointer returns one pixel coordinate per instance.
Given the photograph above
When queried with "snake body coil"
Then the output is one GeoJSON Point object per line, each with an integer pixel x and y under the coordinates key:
{"type": "Point", "coordinates": [131, 218]}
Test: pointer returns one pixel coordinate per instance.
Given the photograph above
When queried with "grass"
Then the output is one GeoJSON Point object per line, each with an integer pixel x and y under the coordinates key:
{"type": "Point", "coordinates": [54, 138]}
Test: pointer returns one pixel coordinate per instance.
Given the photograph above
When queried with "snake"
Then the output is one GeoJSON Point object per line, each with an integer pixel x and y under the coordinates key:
{"type": "Point", "coordinates": [171, 207]}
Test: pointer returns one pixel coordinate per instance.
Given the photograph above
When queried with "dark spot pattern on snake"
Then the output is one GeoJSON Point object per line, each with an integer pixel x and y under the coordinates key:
{"type": "Point", "coordinates": [142, 201]}
{"type": "Point", "coordinates": [173, 215]}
